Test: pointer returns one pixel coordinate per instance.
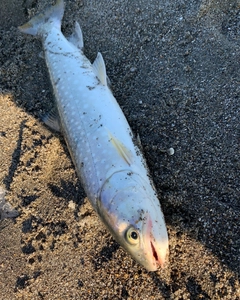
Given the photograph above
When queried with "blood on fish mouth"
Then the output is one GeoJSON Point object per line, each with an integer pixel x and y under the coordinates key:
{"type": "Point", "coordinates": [154, 252]}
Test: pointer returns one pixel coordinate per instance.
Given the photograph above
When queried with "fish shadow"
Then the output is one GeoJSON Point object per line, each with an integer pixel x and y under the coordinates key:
{"type": "Point", "coordinates": [105, 255]}
{"type": "Point", "coordinates": [69, 192]}
{"type": "Point", "coordinates": [187, 221]}
{"type": "Point", "coordinates": [195, 290]}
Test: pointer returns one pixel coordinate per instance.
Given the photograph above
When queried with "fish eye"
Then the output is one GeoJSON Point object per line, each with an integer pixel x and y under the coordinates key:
{"type": "Point", "coordinates": [132, 236]}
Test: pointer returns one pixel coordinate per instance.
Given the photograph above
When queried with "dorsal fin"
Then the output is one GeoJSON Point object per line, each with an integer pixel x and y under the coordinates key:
{"type": "Point", "coordinates": [123, 151]}
{"type": "Point", "coordinates": [100, 69]}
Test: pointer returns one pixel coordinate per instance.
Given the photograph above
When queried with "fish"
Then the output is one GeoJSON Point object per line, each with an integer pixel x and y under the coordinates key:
{"type": "Point", "coordinates": [106, 156]}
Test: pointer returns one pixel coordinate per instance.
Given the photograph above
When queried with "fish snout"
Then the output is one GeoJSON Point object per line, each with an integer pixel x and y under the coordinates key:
{"type": "Point", "coordinates": [157, 243]}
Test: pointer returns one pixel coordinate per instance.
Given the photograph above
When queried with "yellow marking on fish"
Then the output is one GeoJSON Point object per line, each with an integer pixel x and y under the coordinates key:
{"type": "Point", "coordinates": [121, 149]}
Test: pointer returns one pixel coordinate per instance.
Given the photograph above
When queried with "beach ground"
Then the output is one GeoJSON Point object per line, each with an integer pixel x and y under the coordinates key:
{"type": "Point", "coordinates": [174, 68]}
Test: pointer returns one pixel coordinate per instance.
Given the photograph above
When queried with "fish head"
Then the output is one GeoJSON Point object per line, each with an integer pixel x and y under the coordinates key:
{"type": "Point", "coordinates": [134, 217]}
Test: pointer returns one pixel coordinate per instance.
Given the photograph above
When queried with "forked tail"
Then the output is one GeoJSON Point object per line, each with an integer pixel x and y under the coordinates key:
{"type": "Point", "coordinates": [52, 15]}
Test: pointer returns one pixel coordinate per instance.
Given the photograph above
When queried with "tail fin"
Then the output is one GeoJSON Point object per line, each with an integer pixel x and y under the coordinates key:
{"type": "Point", "coordinates": [52, 14]}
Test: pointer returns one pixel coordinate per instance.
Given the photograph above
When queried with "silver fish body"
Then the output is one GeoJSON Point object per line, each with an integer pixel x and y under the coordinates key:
{"type": "Point", "coordinates": [110, 165]}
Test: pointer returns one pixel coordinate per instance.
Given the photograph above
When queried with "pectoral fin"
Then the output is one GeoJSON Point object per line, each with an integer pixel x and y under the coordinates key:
{"type": "Point", "coordinates": [52, 120]}
{"type": "Point", "coordinates": [123, 151]}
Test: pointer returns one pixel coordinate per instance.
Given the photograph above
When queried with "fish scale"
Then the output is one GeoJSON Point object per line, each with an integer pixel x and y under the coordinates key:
{"type": "Point", "coordinates": [110, 165]}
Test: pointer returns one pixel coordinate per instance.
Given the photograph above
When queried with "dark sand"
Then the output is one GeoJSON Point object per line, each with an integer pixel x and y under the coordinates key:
{"type": "Point", "coordinates": [174, 67]}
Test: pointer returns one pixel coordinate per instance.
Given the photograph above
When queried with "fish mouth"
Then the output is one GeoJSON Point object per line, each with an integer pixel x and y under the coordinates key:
{"type": "Point", "coordinates": [157, 251]}
{"type": "Point", "coordinates": [159, 260]}
{"type": "Point", "coordinates": [154, 252]}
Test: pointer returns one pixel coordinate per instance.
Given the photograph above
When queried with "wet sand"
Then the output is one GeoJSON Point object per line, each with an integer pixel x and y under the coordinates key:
{"type": "Point", "coordinates": [174, 68]}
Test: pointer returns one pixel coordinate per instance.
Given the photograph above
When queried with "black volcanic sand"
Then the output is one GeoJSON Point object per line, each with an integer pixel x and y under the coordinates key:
{"type": "Point", "coordinates": [174, 67]}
